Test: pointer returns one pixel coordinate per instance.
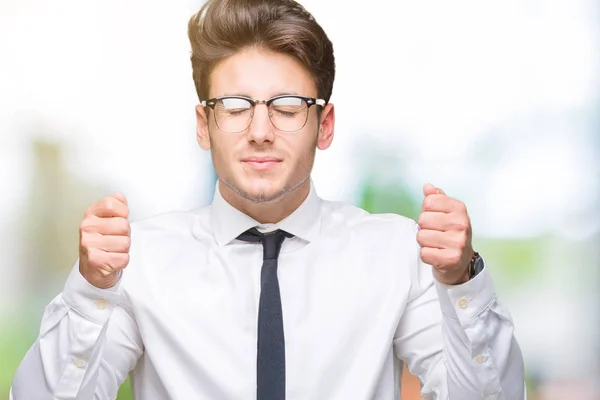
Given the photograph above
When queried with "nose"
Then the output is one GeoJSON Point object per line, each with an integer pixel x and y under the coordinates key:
{"type": "Point", "coordinates": [261, 129]}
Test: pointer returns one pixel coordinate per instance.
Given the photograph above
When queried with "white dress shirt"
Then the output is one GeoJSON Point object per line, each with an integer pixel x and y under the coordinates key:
{"type": "Point", "coordinates": [357, 302]}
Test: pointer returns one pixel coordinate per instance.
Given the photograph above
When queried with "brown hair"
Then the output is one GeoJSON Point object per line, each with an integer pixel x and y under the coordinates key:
{"type": "Point", "coordinates": [224, 27]}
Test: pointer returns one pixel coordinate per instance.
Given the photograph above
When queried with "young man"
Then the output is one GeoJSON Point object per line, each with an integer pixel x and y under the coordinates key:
{"type": "Point", "coordinates": [271, 292]}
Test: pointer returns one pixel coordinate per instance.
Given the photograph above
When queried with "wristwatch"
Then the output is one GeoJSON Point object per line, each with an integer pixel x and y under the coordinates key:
{"type": "Point", "coordinates": [475, 266]}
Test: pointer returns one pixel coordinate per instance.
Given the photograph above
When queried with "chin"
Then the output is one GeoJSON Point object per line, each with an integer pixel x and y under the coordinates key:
{"type": "Point", "coordinates": [262, 191]}
{"type": "Point", "coordinates": [257, 190]}
{"type": "Point", "coordinates": [268, 188]}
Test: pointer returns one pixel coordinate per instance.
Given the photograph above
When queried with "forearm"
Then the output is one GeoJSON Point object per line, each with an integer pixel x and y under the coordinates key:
{"type": "Point", "coordinates": [482, 356]}
{"type": "Point", "coordinates": [66, 355]}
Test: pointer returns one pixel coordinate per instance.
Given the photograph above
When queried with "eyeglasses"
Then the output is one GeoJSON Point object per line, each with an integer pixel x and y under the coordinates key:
{"type": "Point", "coordinates": [288, 113]}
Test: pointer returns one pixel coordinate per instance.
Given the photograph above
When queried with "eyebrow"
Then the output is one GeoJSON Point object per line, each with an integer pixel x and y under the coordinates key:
{"type": "Point", "coordinates": [250, 97]}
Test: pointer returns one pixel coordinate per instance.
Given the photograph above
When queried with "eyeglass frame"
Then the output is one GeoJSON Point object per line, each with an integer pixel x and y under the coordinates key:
{"type": "Point", "coordinates": [310, 101]}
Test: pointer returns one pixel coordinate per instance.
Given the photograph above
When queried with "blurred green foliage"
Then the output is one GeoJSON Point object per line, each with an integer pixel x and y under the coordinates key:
{"type": "Point", "coordinates": [15, 340]}
{"type": "Point", "coordinates": [125, 391]}
{"type": "Point", "coordinates": [389, 199]}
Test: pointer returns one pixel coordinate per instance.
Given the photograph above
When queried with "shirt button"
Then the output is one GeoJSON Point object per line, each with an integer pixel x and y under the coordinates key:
{"type": "Point", "coordinates": [101, 304]}
{"type": "Point", "coordinates": [480, 359]}
{"type": "Point", "coordinates": [80, 363]}
{"type": "Point", "coordinates": [463, 303]}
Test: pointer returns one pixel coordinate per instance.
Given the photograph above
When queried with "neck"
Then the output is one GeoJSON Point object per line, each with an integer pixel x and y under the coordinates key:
{"type": "Point", "coordinates": [267, 212]}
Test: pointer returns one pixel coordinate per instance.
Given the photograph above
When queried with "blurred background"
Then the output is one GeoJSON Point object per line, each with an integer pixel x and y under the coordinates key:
{"type": "Point", "coordinates": [498, 103]}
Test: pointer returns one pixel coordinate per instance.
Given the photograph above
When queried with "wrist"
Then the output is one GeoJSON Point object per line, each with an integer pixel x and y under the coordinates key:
{"type": "Point", "coordinates": [100, 280]}
{"type": "Point", "coordinates": [465, 277]}
{"type": "Point", "coordinates": [470, 271]}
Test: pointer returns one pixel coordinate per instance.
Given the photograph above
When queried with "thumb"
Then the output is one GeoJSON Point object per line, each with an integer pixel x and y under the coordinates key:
{"type": "Point", "coordinates": [121, 197]}
{"type": "Point", "coordinates": [430, 189]}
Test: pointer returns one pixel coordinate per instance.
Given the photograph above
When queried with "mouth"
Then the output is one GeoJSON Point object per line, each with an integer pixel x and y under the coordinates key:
{"type": "Point", "coordinates": [261, 163]}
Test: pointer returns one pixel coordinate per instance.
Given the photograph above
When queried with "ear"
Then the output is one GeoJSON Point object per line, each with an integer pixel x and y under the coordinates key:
{"type": "Point", "coordinates": [326, 127]}
{"type": "Point", "coordinates": [202, 128]}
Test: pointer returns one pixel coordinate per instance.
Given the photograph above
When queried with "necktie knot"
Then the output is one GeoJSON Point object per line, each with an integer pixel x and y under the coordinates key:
{"type": "Point", "coordinates": [271, 241]}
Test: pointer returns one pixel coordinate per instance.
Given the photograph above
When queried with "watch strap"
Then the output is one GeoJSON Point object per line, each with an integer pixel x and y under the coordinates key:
{"type": "Point", "coordinates": [475, 265]}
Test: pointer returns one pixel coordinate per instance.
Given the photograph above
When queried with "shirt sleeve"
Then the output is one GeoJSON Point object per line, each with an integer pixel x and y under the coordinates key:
{"type": "Point", "coordinates": [459, 340]}
{"type": "Point", "coordinates": [87, 344]}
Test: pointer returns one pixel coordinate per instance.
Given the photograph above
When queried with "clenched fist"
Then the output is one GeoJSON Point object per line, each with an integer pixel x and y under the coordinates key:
{"type": "Point", "coordinates": [104, 241]}
{"type": "Point", "coordinates": [445, 236]}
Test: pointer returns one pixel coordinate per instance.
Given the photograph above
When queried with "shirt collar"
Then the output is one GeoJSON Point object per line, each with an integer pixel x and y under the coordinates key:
{"type": "Point", "coordinates": [227, 222]}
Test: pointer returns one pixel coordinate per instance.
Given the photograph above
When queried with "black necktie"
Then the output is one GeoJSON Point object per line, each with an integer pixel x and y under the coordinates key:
{"type": "Point", "coordinates": [270, 360]}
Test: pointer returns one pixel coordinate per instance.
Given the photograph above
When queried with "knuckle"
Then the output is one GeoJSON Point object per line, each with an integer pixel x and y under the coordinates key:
{"type": "Point", "coordinates": [107, 203]}
{"type": "Point", "coordinates": [455, 239]}
{"type": "Point", "coordinates": [120, 260]}
{"type": "Point", "coordinates": [87, 226]}
{"type": "Point", "coordinates": [112, 226]}
{"type": "Point", "coordinates": [460, 224]}
{"type": "Point", "coordinates": [123, 226]}
{"type": "Point", "coordinates": [426, 256]}
{"type": "Point", "coordinates": [420, 237]}
{"type": "Point", "coordinates": [126, 242]}
{"type": "Point", "coordinates": [94, 257]}
{"type": "Point", "coordinates": [461, 244]}
{"type": "Point", "coordinates": [455, 257]}
{"type": "Point", "coordinates": [87, 241]}
{"type": "Point", "coordinates": [428, 203]}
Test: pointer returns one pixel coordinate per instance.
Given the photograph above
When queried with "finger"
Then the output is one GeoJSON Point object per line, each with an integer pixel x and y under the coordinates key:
{"type": "Point", "coordinates": [442, 203]}
{"type": "Point", "coordinates": [429, 189]}
{"type": "Point", "coordinates": [440, 191]}
{"type": "Point", "coordinates": [118, 261]}
{"type": "Point", "coordinates": [438, 221]}
{"type": "Point", "coordinates": [106, 243]}
{"type": "Point", "coordinates": [429, 238]}
{"type": "Point", "coordinates": [101, 260]}
{"type": "Point", "coordinates": [440, 258]}
{"type": "Point", "coordinates": [110, 207]}
{"type": "Point", "coordinates": [444, 222]}
{"type": "Point", "coordinates": [114, 244]}
{"type": "Point", "coordinates": [436, 239]}
{"type": "Point", "coordinates": [106, 226]}
{"type": "Point", "coordinates": [455, 240]}
{"type": "Point", "coordinates": [117, 226]}
{"type": "Point", "coordinates": [121, 197]}
{"type": "Point", "coordinates": [431, 256]}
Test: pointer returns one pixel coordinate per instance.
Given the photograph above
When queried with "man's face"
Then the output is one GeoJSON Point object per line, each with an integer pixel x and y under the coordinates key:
{"type": "Point", "coordinates": [262, 163]}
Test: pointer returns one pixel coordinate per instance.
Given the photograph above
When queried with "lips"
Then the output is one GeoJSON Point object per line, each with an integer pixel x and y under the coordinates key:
{"type": "Point", "coordinates": [261, 163]}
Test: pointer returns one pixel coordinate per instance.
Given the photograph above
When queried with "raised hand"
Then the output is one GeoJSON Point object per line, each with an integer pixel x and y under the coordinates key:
{"type": "Point", "coordinates": [445, 236]}
{"type": "Point", "coordinates": [104, 241]}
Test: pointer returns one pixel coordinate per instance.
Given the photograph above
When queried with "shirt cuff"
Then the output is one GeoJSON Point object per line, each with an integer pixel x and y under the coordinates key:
{"type": "Point", "coordinates": [89, 301]}
{"type": "Point", "coordinates": [466, 301]}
